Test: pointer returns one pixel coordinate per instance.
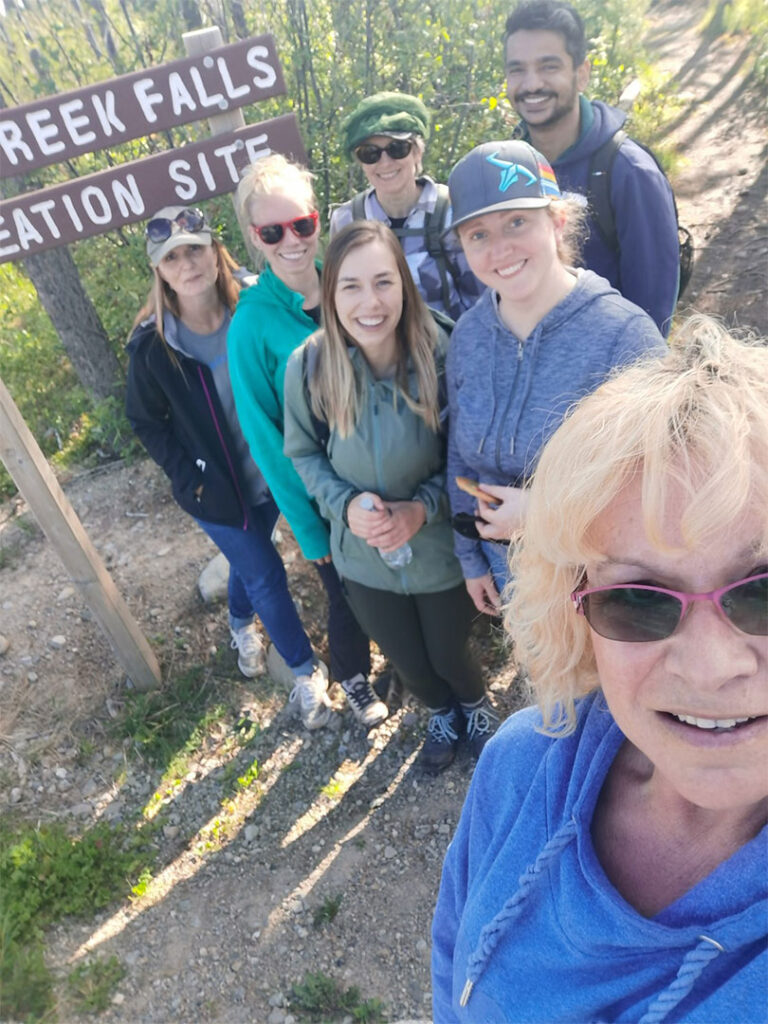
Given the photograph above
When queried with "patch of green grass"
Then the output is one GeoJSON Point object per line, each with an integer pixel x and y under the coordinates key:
{"type": "Point", "coordinates": [172, 721]}
{"type": "Point", "coordinates": [320, 998]}
{"type": "Point", "coordinates": [249, 776]}
{"type": "Point", "coordinates": [92, 984]}
{"type": "Point", "coordinates": [327, 910]}
{"type": "Point", "coordinates": [47, 874]}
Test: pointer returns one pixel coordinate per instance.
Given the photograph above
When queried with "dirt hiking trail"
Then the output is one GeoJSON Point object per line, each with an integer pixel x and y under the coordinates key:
{"type": "Point", "coordinates": [241, 905]}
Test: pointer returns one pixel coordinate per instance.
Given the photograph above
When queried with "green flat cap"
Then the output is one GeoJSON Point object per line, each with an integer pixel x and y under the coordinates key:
{"type": "Point", "coordinates": [386, 113]}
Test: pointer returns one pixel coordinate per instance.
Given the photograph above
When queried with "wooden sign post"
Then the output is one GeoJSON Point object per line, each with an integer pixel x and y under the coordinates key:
{"type": "Point", "coordinates": [213, 82]}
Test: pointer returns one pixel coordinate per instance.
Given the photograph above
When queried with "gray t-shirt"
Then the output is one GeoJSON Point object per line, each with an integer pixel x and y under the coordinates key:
{"type": "Point", "coordinates": [211, 350]}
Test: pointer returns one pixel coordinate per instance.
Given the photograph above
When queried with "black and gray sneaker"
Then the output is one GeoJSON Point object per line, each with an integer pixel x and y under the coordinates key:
{"type": "Point", "coordinates": [481, 722]}
{"type": "Point", "coordinates": [442, 740]}
{"type": "Point", "coordinates": [361, 697]}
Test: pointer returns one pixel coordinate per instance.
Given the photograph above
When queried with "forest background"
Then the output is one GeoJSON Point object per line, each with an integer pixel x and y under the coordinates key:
{"type": "Point", "coordinates": [68, 382]}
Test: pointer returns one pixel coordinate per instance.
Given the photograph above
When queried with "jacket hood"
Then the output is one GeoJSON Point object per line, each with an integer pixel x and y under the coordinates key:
{"type": "Point", "coordinates": [604, 121]}
{"type": "Point", "coordinates": [698, 943]}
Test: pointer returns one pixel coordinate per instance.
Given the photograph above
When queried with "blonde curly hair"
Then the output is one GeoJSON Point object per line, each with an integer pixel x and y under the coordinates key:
{"type": "Point", "coordinates": [694, 419]}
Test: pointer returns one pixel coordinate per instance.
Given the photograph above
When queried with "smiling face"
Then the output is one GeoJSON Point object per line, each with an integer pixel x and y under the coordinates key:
{"type": "Point", "coordinates": [514, 252]}
{"type": "Point", "coordinates": [292, 257]}
{"type": "Point", "coordinates": [695, 704]}
{"type": "Point", "coordinates": [190, 270]}
{"type": "Point", "coordinates": [369, 301]}
{"type": "Point", "coordinates": [542, 83]}
{"type": "Point", "coordinates": [391, 177]}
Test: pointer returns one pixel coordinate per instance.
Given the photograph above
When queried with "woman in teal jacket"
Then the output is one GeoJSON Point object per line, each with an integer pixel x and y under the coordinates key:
{"type": "Point", "coordinates": [362, 424]}
{"type": "Point", "coordinates": [277, 209]}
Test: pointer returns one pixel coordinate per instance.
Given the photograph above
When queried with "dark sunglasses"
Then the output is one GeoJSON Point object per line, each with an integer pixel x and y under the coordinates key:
{"type": "Point", "coordinates": [635, 613]}
{"type": "Point", "coordinates": [161, 228]}
{"type": "Point", "coordinates": [302, 227]}
{"type": "Point", "coordinates": [397, 149]}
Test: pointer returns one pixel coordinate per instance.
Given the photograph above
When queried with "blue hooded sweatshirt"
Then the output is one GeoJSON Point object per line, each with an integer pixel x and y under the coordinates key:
{"type": "Point", "coordinates": [528, 927]}
{"type": "Point", "coordinates": [507, 395]}
{"type": "Point", "coordinates": [646, 268]}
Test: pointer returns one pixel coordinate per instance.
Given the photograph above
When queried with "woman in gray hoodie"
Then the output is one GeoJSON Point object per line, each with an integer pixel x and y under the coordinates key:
{"type": "Point", "coordinates": [542, 336]}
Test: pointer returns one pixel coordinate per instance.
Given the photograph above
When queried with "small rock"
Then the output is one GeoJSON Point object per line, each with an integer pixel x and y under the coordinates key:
{"type": "Point", "coordinates": [89, 787]}
{"type": "Point", "coordinates": [170, 831]}
{"type": "Point", "coordinates": [251, 832]}
{"type": "Point", "coordinates": [65, 593]}
{"type": "Point", "coordinates": [421, 946]}
{"type": "Point", "coordinates": [118, 998]}
{"type": "Point", "coordinates": [57, 642]}
{"type": "Point", "coordinates": [15, 795]}
{"type": "Point", "coordinates": [389, 852]}
{"type": "Point", "coordinates": [277, 999]}
{"type": "Point", "coordinates": [60, 773]}
{"type": "Point", "coordinates": [213, 580]}
{"type": "Point", "coordinates": [276, 1017]}
{"type": "Point", "coordinates": [5, 643]}
{"type": "Point", "coordinates": [32, 677]}
{"type": "Point", "coordinates": [81, 810]}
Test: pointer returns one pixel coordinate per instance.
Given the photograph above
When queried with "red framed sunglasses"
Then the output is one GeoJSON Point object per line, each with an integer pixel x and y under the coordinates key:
{"type": "Point", "coordinates": [303, 227]}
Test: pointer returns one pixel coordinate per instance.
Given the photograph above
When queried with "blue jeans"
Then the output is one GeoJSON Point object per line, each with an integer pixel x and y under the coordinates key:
{"type": "Point", "coordinates": [258, 584]}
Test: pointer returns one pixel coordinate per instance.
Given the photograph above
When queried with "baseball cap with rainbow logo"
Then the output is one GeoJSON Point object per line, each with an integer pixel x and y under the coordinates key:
{"type": "Point", "coordinates": [507, 175]}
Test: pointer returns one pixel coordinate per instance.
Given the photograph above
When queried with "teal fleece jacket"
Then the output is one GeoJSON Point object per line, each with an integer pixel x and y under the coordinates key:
{"type": "Point", "coordinates": [268, 325]}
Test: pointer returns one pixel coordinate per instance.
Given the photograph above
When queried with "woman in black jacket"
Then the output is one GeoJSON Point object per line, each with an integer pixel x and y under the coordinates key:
{"type": "Point", "coordinates": [180, 405]}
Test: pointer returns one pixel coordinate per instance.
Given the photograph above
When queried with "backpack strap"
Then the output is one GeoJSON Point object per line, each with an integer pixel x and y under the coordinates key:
{"type": "Point", "coordinates": [320, 427]}
{"type": "Point", "coordinates": [599, 188]}
{"type": "Point", "coordinates": [599, 198]}
{"type": "Point", "coordinates": [358, 206]}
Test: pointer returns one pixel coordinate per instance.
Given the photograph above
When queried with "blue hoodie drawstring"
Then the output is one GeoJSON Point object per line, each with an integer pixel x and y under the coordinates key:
{"type": "Point", "coordinates": [694, 963]}
{"type": "Point", "coordinates": [495, 929]}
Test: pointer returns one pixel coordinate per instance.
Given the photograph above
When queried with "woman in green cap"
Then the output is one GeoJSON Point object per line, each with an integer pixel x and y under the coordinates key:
{"type": "Point", "coordinates": [386, 134]}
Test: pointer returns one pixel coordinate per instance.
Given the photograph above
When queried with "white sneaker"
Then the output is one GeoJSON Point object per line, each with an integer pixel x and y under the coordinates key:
{"type": "Point", "coordinates": [361, 697]}
{"type": "Point", "coordinates": [312, 695]}
{"type": "Point", "coordinates": [250, 650]}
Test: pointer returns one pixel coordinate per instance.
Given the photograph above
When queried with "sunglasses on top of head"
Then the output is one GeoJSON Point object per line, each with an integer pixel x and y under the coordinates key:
{"type": "Point", "coordinates": [636, 613]}
{"type": "Point", "coordinates": [161, 228]}
{"type": "Point", "coordinates": [303, 227]}
{"type": "Point", "coordinates": [397, 149]}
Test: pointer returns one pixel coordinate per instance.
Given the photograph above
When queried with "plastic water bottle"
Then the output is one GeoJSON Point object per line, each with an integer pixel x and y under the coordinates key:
{"type": "Point", "coordinates": [394, 559]}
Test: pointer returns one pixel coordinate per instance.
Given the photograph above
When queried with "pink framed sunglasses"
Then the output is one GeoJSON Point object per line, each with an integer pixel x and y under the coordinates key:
{"type": "Point", "coordinates": [635, 613]}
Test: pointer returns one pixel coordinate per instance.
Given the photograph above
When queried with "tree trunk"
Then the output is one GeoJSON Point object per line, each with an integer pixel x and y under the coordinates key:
{"type": "Point", "coordinates": [57, 281]}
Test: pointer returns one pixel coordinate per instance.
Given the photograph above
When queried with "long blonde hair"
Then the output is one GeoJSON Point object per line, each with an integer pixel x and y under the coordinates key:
{"type": "Point", "coordinates": [162, 297]}
{"type": "Point", "coordinates": [694, 419]}
{"type": "Point", "coordinates": [334, 389]}
{"type": "Point", "coordinates": [267, 176]}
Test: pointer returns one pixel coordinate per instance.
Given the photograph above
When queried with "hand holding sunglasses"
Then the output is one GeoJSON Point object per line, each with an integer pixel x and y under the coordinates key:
{"type": "Point", "coordinates": [159, 229]}
{"type": "Point", "coordinates": [303, 227]}
{"type": "Point", "coordinates": [397, 149]}
{"type": "Point", "coordinates": [635, 613]}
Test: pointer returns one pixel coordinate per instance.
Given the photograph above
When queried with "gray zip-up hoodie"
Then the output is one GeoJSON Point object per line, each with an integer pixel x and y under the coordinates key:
{"type": "Point", "coordinates": [507, 395]}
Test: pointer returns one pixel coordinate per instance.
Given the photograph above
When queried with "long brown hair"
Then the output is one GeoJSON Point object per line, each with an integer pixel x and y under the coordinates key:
{"type": "Point", "coordinates": [335, 392]}
{"type": "Point", "coordinates": [162, 296]}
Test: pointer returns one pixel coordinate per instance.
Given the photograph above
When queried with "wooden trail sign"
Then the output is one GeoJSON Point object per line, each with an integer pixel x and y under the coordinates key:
{"type": "Point", "coordinates": [213, 83]}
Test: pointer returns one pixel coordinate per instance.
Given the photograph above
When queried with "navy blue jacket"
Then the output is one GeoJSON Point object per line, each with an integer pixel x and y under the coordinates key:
{"type": "Point", "coordinates": [646, 269]}
{"type": "Point", "coordinates": [176, 413]}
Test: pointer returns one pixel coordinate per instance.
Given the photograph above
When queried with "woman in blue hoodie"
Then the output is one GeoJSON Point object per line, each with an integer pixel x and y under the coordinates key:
{"type": "Point", "coordinates": [611, 861]}
{"type": "Point", "coordinates": [542, 336]}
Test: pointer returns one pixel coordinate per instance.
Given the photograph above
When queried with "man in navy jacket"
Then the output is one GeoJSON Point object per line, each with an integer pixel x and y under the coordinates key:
{"type": "Point", "coordinates": [547, 71]}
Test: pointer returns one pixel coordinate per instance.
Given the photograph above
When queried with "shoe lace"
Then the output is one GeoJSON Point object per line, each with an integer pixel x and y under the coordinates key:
{"type": "Point", "coordinates": [480, 721]}
{"type": "Point", "coordinates": [360, 693]}
{"type": "Point", "coordinates": [308, 690]}
{"type": "Point", "coordinates": [440, 728]}
{"type": "Point", "coordinates": [246, 641]}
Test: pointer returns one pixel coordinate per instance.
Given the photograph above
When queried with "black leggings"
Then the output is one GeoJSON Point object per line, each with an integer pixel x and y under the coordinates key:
{"type": "Point", "coordinates": [425, 637]}
{"type": "Point", "coordinates": [349, 646]}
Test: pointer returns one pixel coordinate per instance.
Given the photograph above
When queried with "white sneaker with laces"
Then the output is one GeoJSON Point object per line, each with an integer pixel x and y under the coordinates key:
{"type": "Point", "coordinates": [312, 694]}
{"type": "Point", "coordinates": [250, 650]}
{"type": "Point", "coordinates": [361, 697]}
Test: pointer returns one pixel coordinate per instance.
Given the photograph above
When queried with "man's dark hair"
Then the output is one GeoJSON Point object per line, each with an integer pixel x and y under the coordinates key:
{"type": "Point", "coordinates": [550, 16]}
